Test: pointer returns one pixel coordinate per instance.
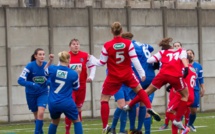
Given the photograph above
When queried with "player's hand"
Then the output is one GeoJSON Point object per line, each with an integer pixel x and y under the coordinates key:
{"type": "Point", "coordinates": [143, 78]}
{"type": "Point", "coordinates": [78, 69]}
{"type": "Point", "coordinates": [89, 80]}
{"type": "Point", "coordinates": [156, 65]}
{"type": "Point", "coordinates": [202, 92]}
{"type": "Point", "coordinates": [51, 57]}
{"type": "Point", "coordinates": [186, 70]}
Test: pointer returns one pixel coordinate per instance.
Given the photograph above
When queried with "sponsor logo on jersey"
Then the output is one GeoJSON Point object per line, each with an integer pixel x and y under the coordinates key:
{"type": "Point", "coordinates": [74, 66]}
{"type": "Point", "coordinates": [61, 74]}
{"type": "Point", "coordinates": [39, 79]}
{"type": "Point", "coordinates": [118, 46]}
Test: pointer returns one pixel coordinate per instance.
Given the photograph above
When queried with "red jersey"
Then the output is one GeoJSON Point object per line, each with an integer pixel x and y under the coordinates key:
{"type": "Point", "coordinates": [116, 54]}
{"type": "Point", "coordinates": [79, 59]}
{"type": "Point", "coordinates": [171, 61]}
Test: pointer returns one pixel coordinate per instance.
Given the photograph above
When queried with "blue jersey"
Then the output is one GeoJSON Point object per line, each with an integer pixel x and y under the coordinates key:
{"type": "Point", "coordinates": [33, 75]}
{"type": "Point", "coordinates": [199, 74]}
{"type": "Point", "coordinates": [63, 81]}
{"type": "Point", "coordinates": [143, 53]}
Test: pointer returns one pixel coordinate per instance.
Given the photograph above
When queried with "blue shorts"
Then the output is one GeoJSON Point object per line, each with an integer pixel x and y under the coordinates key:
{"type": "Point", "coordinates": [122, 93]}
{"type": "Point", "coordinates": [67, 107]}
{"type": "Point", "coordinates": [37, 100]}
{"type": "Point", "coordinates": [196, 99]}
{"type": "Point", "coordinates": [144, 85]}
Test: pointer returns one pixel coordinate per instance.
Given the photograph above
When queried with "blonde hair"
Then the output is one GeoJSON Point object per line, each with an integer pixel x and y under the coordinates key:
{"type": "Point", "coordinates": [116, 28]}
{"type": "Point", "coordinates": [127, 35]}
{"type": "Point", "coordinates": [64, 56]}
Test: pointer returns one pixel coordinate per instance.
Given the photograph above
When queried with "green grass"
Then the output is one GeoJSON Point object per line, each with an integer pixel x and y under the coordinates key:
{"type": "Point", "coordinates": [205, 124]}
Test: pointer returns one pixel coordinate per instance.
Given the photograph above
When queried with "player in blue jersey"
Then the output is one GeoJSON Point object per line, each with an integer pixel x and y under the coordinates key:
{"type": "Point", "coordinates": [63, 81]}
{"type": "Point", "coordinates": [35, 82]}
{"type": "Point", "coordinates": [143, 53]}
{"type": "Point", "coordinates": [199, 90]}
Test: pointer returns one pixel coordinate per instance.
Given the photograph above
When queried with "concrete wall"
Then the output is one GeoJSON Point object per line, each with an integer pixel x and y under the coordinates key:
{"type": "Point", "coordinates": [53, 28]}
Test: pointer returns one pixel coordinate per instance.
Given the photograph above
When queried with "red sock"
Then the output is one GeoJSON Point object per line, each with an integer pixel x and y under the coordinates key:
{"type": "Point", "coordinates": [144, 98]}
{"type": "Point", "coordinates": [174, 129]}
{"type": "Point", "coordinates": [186, 115]}
{"type": "Point", "coordinates": [105, 113]}
{"type": "Point", "coordinates": [80, 117]}
{"type": "Point", "coordinates": [182, 107]}
{"type": "Point", "coordinates": [68, 123]}
{"type": "Point", "coordinates": [171, 116]}
{"type": "Point", "coordinates": [134, 101]}
{"type": "Point", "coordinates": [167, 118]}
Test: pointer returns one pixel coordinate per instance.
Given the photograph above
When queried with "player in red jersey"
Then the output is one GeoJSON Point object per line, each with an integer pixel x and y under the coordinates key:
{"type": "Point", "coordinates": [79, 59]}
{"type": "Point", "coordinates": [171, 72]}
{"type": "Point", "coordinates": [118, 54]}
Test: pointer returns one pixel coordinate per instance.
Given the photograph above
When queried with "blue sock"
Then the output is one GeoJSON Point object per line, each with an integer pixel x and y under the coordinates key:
{"type": "Point", "coordinates": [78, 128]}
{"type": "Point", "coordinates": [132, 117]}
{"type": "Point", "coordinates": [116, 116]}
{"type": "Point", "coordinates": [38, 127]}
{"type": "Point", "coordinates": [147, 125]}
{"type": "Point", "coordinates": [141, 117]}
{"type": "Point", "coordinates": [52, 129]}
{"type": "Point", "coordinates": [123, 119]}
{"type": "Point", "coordinates": [41, 132]}
{"type": "Point", "coordinates": [192, 119]}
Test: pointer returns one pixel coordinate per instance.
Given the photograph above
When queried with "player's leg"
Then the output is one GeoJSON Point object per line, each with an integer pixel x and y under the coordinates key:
{"type": "Point", "coordinates": [53, 126]}
{"type": "Point", "coordinates": [55, 116]}
{"type": "Point", "coordinates": [42, 101]}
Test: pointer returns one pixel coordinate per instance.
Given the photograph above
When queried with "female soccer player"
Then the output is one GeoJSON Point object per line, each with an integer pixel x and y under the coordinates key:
{"type": "Point", "coordinates": [118, 54]}
{"type": "Point", "coordinates": [171, 72]}
{"type": "Point", "coordinates": [79, 59]}
{"type": "Point", "coordinates": [63, 81]}
{"type": "Point", "coordinates": [35, 82]}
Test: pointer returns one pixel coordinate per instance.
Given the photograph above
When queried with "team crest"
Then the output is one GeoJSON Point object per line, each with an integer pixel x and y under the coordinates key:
{"type": "Point", "coordinates": [119, 46]}
{"type": "Point", "coordinates": [61, 74]}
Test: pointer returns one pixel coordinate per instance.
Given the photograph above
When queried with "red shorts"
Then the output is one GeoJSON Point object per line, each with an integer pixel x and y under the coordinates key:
{"type": "Point", "coordinates": [79, 96]}
{"type": "Point", "coordinates": [112, 85]}
{"type": "Point", "coordinates": [176, 82]}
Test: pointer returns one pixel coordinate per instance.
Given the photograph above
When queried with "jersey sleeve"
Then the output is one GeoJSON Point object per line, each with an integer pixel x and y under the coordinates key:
{"type": "Point", "coordinates": [156, 57]}
{"type": "Point", "coordinates": [200, 75]}
{"type": "Point", "coordinates": [150, 48]}
{"type": "Point", "coordinates": [183, 54]}
{"type": "Point", "coordinates": [76, 83]}
{"type": "Point", "coordinates": [22, 80]}
{"type": "Point", "coordinates": [135, 61]}
{"type": "Point", "coordinates": [92, 69]}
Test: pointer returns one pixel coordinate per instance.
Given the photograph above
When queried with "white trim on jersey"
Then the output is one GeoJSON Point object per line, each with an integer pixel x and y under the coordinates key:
{"type": "Point", "coordinates": [183, 54]}
{"type": "Point", "coordinates": [155, 58]}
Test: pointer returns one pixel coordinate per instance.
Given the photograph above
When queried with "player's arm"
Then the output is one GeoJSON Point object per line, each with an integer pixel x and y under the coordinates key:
{"type": "Point", "coordinates": [51, 58]}
{"type": "Point", "coordinates": [183, 57]}
{"type": "Point", "coordinates": [201, 81]}
{"type": "Point", "coordinates": [92, 71]}
{"type": "Point", "coordinates": [76, 83]}
{"type": "Point", "coordinates": [103, 58]}
{"type": "Point", "coordinates": [22, 80]}
{"type": "Point", "coordinates": [136, 62]}
{"type": "Point", "coordinates": [155, 58]}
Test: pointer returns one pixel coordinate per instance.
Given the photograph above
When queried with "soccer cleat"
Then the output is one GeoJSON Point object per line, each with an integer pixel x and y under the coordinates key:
{"type": "Point", "coordinates": [178, 124]}
{"type": "Point", "coordinates": [154, 114]}
{"type": "Point", "coordinates": [106, 130]}
{"type": "Point", "coordinates": [126, 108]}
{"type": "Point", "coordinates": [192, 128]}
{"type": "Point", "coordinates": [186, 130]}
{"type": "Point", "coordinates": [131, 131]}
{"type": "Point", "coordinates": [163, 127]}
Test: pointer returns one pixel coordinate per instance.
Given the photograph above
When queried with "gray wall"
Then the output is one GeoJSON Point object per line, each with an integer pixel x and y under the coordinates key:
{"type": "Point", "coordinates": [22, 30]}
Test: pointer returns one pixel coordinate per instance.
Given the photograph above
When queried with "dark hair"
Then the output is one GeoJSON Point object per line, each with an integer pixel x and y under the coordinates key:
{"type": "Point", "coordinates": [127, 35]}
{"type": "Point", "coordinates": [116, 28]}
{"type": "Point", "coordinates": [191, 51]}
{"type": "Point", "coordinates": [35, 53]}
{"type": "Point", "coordinates": [164, 44]}
{"type": "Point", "coordinates": [74, 39]}
{"type": "Point", "coordinates": [177, 42]}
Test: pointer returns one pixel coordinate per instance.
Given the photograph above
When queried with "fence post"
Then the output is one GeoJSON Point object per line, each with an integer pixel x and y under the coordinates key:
{"type": "Point", "coordinates": [128, 17]}
{"type": "Point", "coordinates": [50, 28]}
{"type": "Point", "coordinates": [200, 54]}
{"type": "Point", "coordinates": [8, 65]}
{"type": "Point", "coordinates": [91, 49]}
